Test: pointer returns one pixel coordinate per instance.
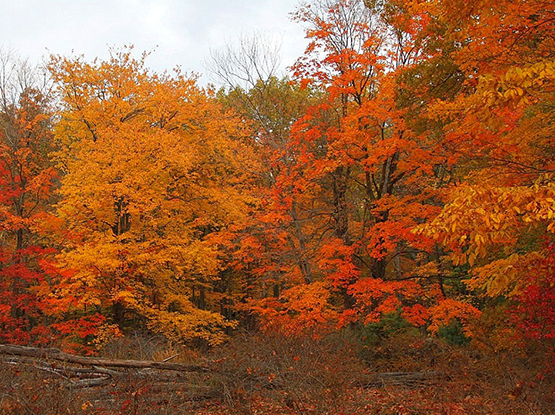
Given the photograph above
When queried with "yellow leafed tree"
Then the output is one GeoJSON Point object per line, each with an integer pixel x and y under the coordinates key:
{"type": "Point", "coordinates": [501, 218]}
{"type": "Point", "coordinates": [152, 166]}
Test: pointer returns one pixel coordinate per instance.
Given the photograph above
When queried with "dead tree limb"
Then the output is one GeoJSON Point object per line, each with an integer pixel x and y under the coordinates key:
{"type": "Point", "coordinates": [400, 378]}
{"type": "Point", "coordinates": [55, 354]}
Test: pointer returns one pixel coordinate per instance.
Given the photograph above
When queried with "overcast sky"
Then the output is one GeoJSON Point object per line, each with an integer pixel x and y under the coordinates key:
{"type": "Point", "coordinates": [182, 31]}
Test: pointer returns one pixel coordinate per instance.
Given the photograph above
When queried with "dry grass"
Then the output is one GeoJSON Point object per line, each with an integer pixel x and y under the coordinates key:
{"type": "Point", "coordinates": [272, 374]}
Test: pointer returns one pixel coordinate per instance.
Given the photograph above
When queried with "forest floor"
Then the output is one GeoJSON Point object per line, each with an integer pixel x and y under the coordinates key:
{"type": "Point", "coordinates": [277, 375]}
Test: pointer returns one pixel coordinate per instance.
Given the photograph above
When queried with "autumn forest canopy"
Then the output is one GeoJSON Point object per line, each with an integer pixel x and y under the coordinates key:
{"type": "Point", "coordinates": [402, 175]}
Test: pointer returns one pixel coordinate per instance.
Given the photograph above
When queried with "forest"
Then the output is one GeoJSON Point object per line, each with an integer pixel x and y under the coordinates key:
{"type": "Point", "coordinates": [373, 233]}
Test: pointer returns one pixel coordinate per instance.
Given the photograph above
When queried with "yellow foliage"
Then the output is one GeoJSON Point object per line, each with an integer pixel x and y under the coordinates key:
{"type": "Point", "coordinates": [152, 166]}
{"type": "Point", "coordinates": [504, 276]}
{"type": "Point", "coordinates": [483, 221]}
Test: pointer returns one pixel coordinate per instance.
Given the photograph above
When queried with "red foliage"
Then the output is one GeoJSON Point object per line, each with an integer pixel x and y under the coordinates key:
{"type": "Point", "coordinates": [534, 312]}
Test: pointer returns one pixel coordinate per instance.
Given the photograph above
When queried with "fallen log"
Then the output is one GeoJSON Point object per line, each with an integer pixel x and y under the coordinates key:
{"type": "Point", "coordinates": [400, 378]}
{"type": "Point", "coordinates": [58, 355]}
{"type": "Point", "coordinates": [96, 371]}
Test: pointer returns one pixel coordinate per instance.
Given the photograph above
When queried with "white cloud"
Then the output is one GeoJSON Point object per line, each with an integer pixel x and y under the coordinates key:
{"type": "Point", "coordinates": [182, 31]}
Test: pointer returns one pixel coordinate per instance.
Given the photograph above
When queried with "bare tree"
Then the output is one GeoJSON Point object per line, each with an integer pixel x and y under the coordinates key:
{"type": "Point", "coordinates": [246, 62]}
{"type": "Point", "coordinates": [18, 75]}
{"type": "Point", "coordinates": [250, 71]}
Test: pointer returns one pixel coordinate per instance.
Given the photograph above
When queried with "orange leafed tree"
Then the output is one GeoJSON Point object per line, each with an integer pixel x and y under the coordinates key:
{"type": "Point", "coordinates": [152, 168]}
{"type": "Point", "coordinates": [363, 175]}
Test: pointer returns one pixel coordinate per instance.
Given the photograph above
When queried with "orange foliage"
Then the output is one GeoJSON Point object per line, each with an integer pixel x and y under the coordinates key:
{"type": "Point", "coordinates": [412, 151]}
{"type": "Point", "coordinates": [153, 168]}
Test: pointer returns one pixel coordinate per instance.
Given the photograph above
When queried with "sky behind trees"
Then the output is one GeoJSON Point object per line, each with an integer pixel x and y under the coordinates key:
{"type": "Point", "coordinates": [182, 32]}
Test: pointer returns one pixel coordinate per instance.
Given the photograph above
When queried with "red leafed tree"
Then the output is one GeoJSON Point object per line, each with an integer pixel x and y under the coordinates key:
{"type": "Point", "coordinates": [26, 181]}
{"type": "Point", "coordinates": [362, 173]}
{"type": "Point", "coordinates": [533, 312]}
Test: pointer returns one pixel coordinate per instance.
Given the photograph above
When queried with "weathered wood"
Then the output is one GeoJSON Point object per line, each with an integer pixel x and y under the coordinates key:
{"type": "Point", "coordinates": [400, 378]}
{"type": "Point", "coordinates": [55, 354]}
{"type": "Point", "coordinates": [86, 372]}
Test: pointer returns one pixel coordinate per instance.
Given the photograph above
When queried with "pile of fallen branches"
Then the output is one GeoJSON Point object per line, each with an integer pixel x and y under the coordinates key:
{"type": "Point", "coordinates": [377, 380]}
{"type": "Point", "coordinates": [86, 371]}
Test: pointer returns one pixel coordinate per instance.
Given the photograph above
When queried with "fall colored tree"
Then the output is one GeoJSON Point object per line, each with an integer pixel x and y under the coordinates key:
{"type": "Point", "coordinates": [498, 222]}
{"type": "Point", "coordinates": [404, 171]}
{"type": "Point", "coordinates": [26, 182]}
{"type": "Point", "coordinates": [496, 218]}
{"type": "Point", "coordinates": [364, 174]}
{"type": "Point", "coordinates": [272, 250]}
{"type": "Point", "coordinates": [153, 168]}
